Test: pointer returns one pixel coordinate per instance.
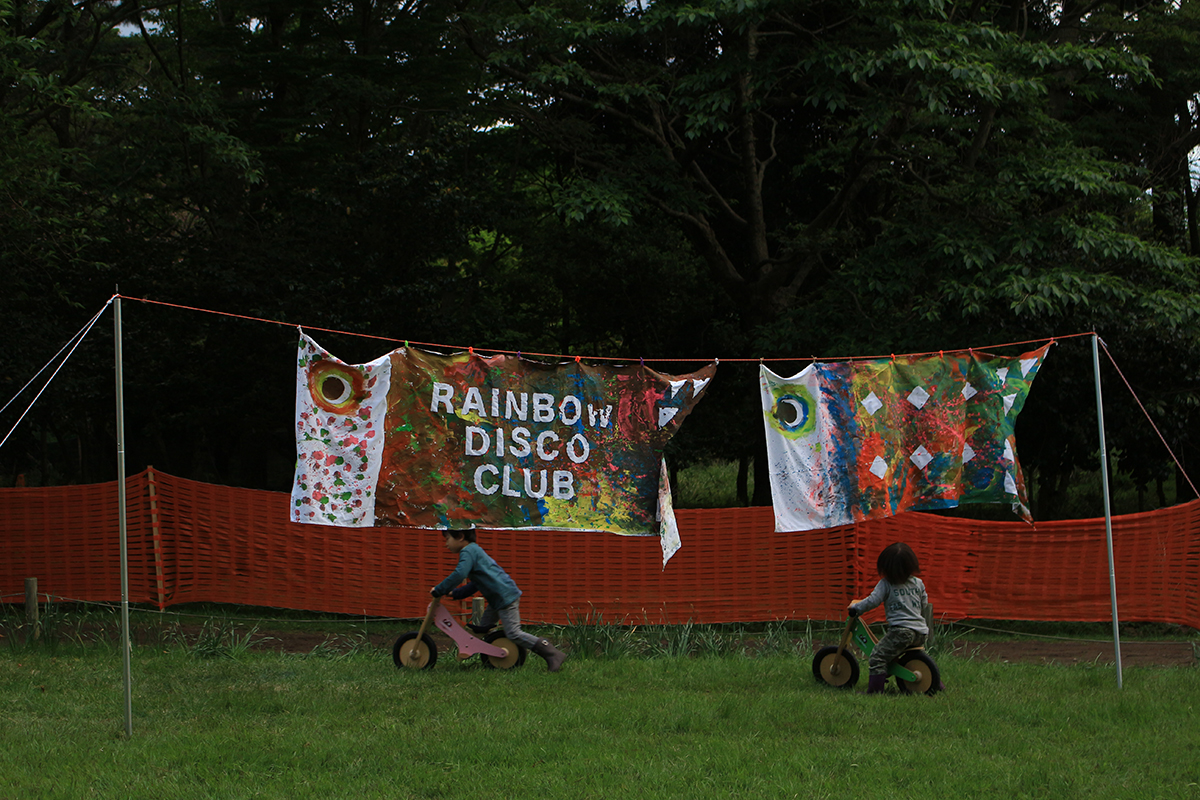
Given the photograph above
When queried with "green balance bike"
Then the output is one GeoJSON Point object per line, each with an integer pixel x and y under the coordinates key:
{"type": "Point", "coordinates": [915, 672]}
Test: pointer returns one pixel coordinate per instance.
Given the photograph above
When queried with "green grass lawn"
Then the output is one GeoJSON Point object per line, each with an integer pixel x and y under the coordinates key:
{"type": "Point", "coordinates": [280, 725]}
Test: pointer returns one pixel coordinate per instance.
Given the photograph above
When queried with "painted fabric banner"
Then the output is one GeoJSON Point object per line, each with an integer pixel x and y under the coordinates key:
{"type": "Point", "coordinates": [856, 440]}
{"type": "Point", "coordinates": [436, 441]}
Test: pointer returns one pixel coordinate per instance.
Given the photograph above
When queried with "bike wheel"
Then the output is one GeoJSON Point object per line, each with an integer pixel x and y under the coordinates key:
{"type": "Point", "coordinates": [515, 657]}
{"type": "Point", "coordinates": [840, 672]}
{"type": "Point", "coordinates": [421, 654]}
{"type": "Point", "coordinates": [928, 681]}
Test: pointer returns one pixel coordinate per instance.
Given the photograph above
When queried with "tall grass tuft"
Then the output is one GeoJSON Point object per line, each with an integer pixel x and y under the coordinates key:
{"type": "Point", "coordinates": [340, 648]}
{"type": "Point", "coordinates": [592, 636]}
{"type": "Point", "coordinates": [779, 638]}
{"type": "Point", "coordinates": [671, 641]}
{"type": "Point", "coordinates": [221, 639]}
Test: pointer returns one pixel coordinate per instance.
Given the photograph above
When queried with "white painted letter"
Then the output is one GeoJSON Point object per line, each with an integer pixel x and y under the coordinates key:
{"type": "Point", "coordinates": [443, 393]}
{"type": "Point", "coordinates": [511, 405]}
{"type": "Point", "coordinates": [584, 447]}
{"type": "Point", "coordinates": [564, 485]}
{"type": "Point", "coordinates": [479, 487]}
{"type": "Point", "coordinates": [541, 445]}
{"type": "Point", "coordinates": [473, 433]}
{"type": "Point", "coordinates": [562, 410]}
{"type": "Point", "coordinates": [506, 488]}
{"type": "Point", "coordinates": [541, 492]}
{"type": "Point", "coordinates": [604, 415]}
{"type": "Point", "coordinates": [520, 443]}
{"type": "Point", "coordinates": [474, 402]}
{"type": "Point", "coordinates": [543, 407]}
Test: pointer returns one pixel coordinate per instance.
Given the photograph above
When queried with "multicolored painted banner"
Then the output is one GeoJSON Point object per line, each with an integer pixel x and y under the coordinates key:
{"type": "Point", "coordinates": [858, 440]}
{"type": "Point", "coordinates": [437, 441]}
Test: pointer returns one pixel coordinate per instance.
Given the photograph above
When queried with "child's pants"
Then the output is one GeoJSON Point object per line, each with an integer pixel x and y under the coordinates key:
{"type": "Point", "coordinates": [510, 619]}
{"type": "Point", "coordinates": [893, 643]}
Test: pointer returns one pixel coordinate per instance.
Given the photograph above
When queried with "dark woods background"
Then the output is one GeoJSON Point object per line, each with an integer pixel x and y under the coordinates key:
{"type": "Point", "coordinates": [664, 181]}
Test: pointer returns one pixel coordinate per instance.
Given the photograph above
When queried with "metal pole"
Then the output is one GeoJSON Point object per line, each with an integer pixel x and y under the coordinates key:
{"type": "Point", "coordinates": [1112, 576]}
{"type": "Point", "coordinates": [125, 646]}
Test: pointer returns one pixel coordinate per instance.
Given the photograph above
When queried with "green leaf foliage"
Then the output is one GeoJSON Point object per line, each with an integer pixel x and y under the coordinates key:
{"type": "Point", "coordinates": [713, 177]}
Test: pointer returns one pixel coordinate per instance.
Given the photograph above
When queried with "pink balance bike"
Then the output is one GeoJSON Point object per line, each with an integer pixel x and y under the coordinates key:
{"type": "Point", "coordinates": [915, 672]}
{"type": "Point", "coordinates": [416, 649]}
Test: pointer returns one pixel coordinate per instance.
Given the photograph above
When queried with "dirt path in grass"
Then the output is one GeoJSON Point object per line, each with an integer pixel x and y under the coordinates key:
{"type": "Point", "coordinates": [1133, 653]}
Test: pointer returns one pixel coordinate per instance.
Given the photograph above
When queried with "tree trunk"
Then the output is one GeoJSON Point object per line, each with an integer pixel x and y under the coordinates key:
{"type": "Point", "coordinates": [743, 480]}
{"type": "Point", "coordinates": [762, 474]}
{"type": "Point", "coordinates": [1192, 204]}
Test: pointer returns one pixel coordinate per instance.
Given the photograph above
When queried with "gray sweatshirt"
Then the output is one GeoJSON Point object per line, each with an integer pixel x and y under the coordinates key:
{"type": "Point", "coordinates": [904, 603]}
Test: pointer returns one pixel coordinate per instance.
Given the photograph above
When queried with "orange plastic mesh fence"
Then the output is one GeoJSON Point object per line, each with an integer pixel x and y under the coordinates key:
{"type": "Point", "coordinates": [68, 536]}
{"type": "Point", "coordinates": [197, 542]}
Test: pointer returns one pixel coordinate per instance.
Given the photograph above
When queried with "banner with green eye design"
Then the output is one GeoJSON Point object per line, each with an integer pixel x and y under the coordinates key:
{"type": "Point", "coordinates": [445, 441]}
{"type": "Point", "coordinates": [855, 440]}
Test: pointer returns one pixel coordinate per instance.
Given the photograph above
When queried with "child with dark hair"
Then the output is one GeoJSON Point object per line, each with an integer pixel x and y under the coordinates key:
{"type": "Point", "coordinates": [488, 578]}
{"type": "Point", "coordinates": [904, 598]}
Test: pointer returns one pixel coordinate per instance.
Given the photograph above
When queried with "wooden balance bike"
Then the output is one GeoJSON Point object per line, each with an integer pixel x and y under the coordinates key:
{"type": "Point", "coordinates": [416, 649]}
{"type": "Point", "coordinates": [914, 670]}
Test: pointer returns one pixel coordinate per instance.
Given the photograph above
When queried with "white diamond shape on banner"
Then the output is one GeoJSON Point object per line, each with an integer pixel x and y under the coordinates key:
{"type": "Point", "coordinates": [968, 453]}
{"type": "Point", "coordinates": [1010, 485]}
{"type": "Point", "coordinates": [921, 457]}
{"type": "Point", "coordinates": [1008, 401]}
{"type": "Point", "coordinates": [1003, 374]}
{"type": "Point", "coordinates": [918, 397]}
{"type": "Point", "coordinates": [872, 403]}
{"type": "Point", "coordinates": [665, 415]}
{"type": "Point", "coordinates": [968, 392]}
{"type": "Point", "coordinates": [879, 467]}
{"type": "Point", "coordinates": [1008, 453]}
{"type": "Point", "coordinates": [1027, 365]}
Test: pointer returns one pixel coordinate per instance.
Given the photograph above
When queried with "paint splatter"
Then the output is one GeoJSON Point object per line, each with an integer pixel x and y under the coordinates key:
{"type": "Point", "coordinates": [498, 441]}
{"type": "Point", "coordinates": [339, 413]}
{"type": "Point", "coordinates": [859, 440]}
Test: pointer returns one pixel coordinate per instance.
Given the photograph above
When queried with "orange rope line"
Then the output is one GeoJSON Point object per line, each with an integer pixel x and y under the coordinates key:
{"type": "Point", "coordinates": [1161, 438]}
{"type": "Point", "coordinates": [269, 321]}
{"type": "Point", "coordinates": [520, 353]}
{"type": "Point", "coordinates": [983, 350]}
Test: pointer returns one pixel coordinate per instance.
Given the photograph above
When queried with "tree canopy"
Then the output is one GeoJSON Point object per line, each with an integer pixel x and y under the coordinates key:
{"type": "Point", "coordinates": [735, 178]}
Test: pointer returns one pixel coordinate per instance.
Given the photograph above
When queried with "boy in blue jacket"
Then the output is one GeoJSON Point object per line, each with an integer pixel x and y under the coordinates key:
{"type": "Point", "coordinates": [488, 578]}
